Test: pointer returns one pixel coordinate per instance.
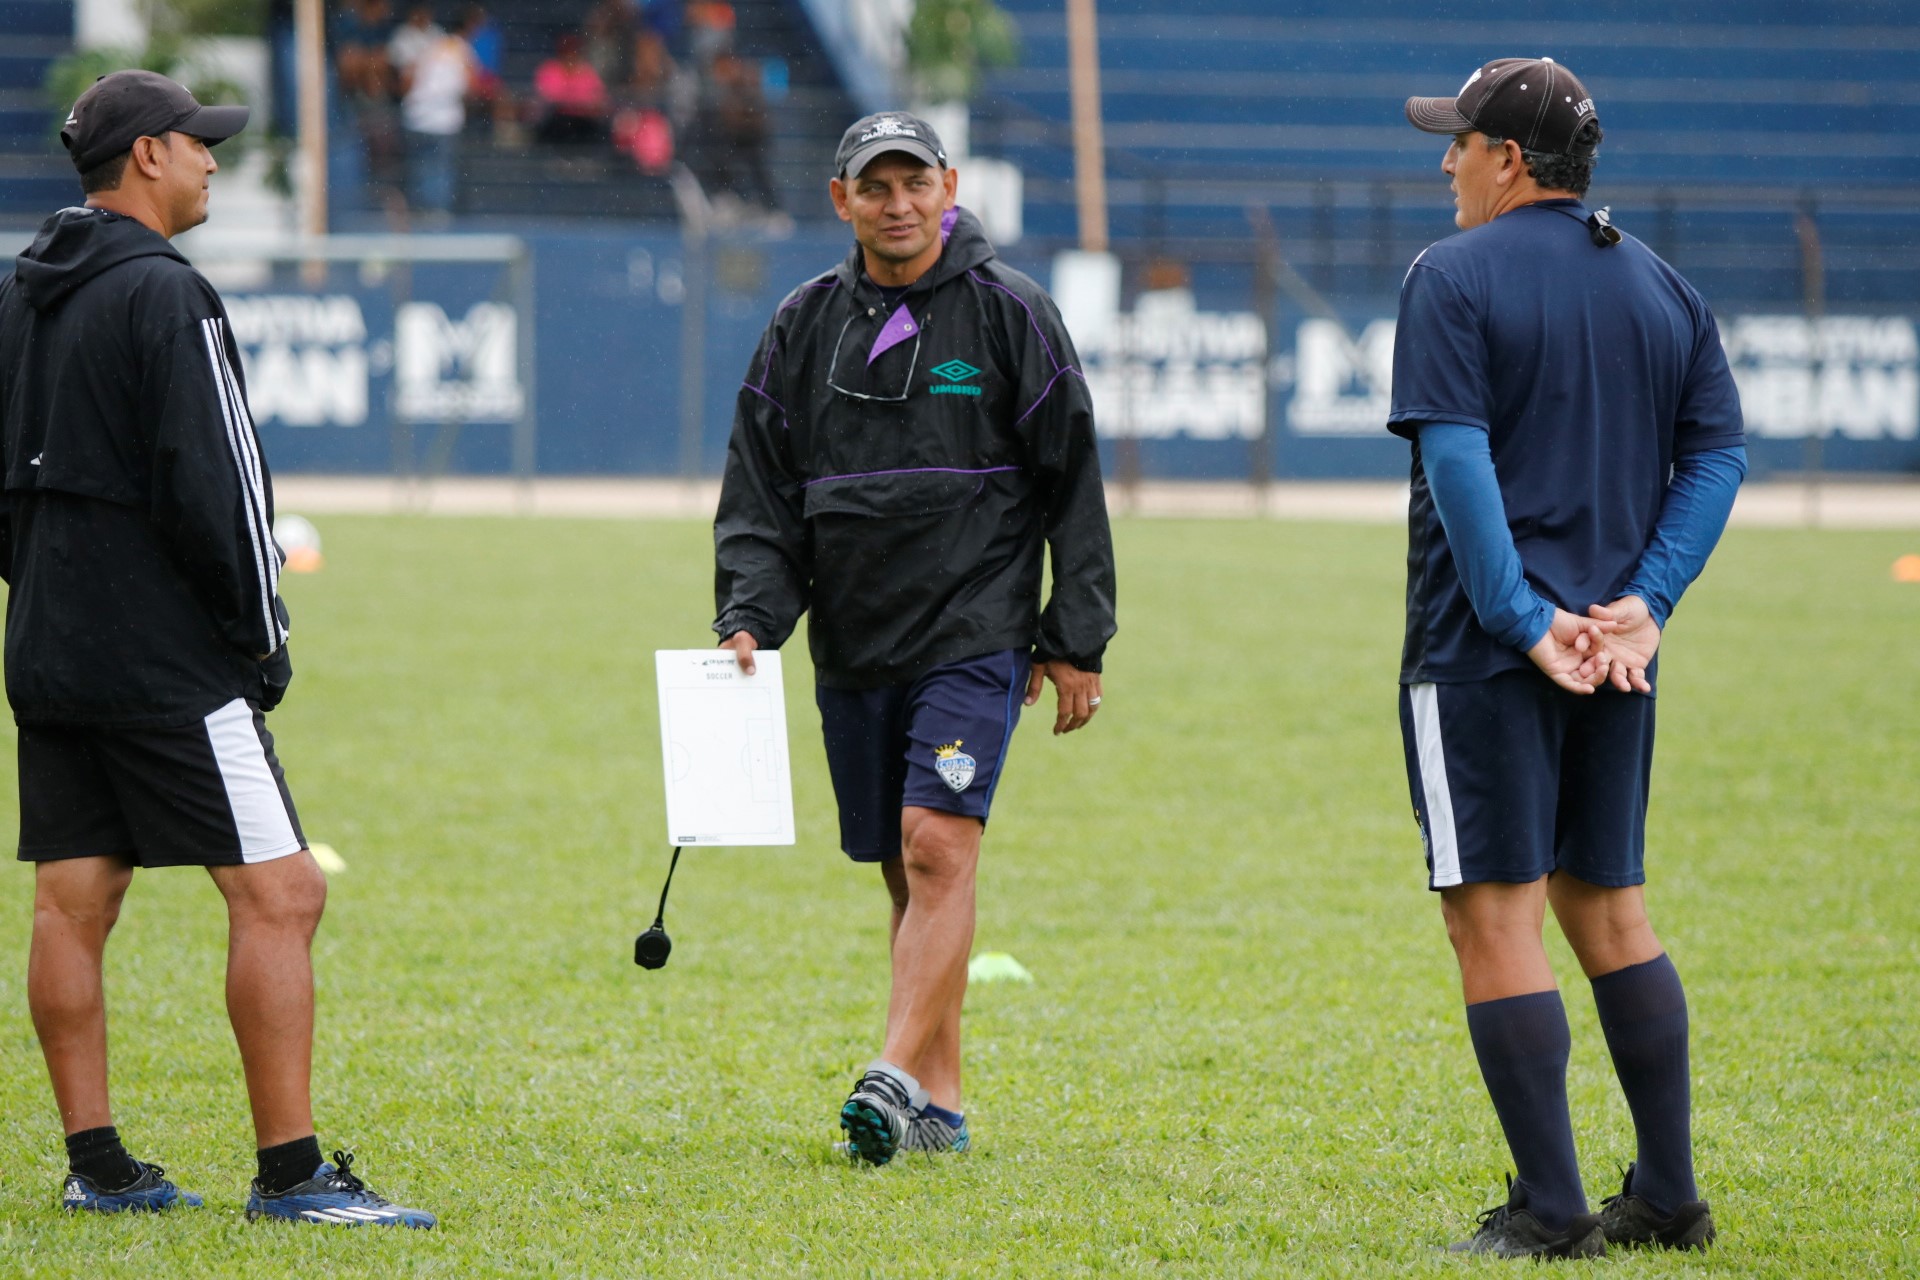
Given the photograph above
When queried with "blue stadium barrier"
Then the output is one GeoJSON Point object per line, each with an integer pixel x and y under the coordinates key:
{"type": "Point", "coordinates": [608, 342]}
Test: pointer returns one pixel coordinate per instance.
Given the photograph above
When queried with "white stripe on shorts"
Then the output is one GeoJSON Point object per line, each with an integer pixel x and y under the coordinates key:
{"type": "Point", "coordinates": [1442, 838]}
{"type": "Point", "coordinates": [259, 810]}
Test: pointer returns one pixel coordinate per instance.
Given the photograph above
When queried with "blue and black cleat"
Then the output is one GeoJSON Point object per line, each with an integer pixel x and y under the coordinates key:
{"type": "Point", "coordinates": [334, 1195]}
{"type": "Point", "coordinates": [148, 1193]}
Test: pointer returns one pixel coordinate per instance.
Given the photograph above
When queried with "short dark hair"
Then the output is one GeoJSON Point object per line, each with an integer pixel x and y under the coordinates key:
{"type": "Point", "coordinates": [106, 175]}
{"type": "Point", "coordinates": [1558, 171]}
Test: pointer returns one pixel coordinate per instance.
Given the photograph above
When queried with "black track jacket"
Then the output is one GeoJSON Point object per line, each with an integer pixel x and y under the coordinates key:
{"type": "Point", "coordinates": [136, 528]}
{"type": "Point", "coordinates": [912, 523]}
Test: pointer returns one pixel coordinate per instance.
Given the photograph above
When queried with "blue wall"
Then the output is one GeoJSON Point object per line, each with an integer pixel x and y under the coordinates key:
{"type": "Point", "coordinates": [416, 370]}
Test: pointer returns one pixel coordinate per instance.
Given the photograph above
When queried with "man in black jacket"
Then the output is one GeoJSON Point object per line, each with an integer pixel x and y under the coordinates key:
{"type": "Point", "coordinates": [912, 437]}
{"type": "Point", "coordinates": [145, 638]}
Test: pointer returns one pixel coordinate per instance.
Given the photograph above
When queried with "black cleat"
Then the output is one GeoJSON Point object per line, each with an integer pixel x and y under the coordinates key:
{"type": "Point", "coordinates": [1511, 1231]}
{"type": "Point", "coordinates": [1632, 1223]}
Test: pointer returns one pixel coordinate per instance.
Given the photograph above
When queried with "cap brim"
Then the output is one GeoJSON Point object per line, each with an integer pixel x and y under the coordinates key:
{"type": "Point", "coordinates": [859, 160]}
{"type": "Point", "coordinates": [214, 124]}
{"type": "Point", "coordinates": [1437, 115]}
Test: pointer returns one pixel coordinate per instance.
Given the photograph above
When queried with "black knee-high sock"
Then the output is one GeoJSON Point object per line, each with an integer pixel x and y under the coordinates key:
{"type": "Point", "coordinates": [1643, 1010]}
{"type": "Point", "coordinates": [98, 1156]}
{"type": "Point", "coordinates": [1522, 1043]}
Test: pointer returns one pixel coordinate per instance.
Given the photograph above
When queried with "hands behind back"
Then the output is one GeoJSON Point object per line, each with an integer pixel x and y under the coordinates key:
{"type": "Point", "coordinates": [1614, 644]}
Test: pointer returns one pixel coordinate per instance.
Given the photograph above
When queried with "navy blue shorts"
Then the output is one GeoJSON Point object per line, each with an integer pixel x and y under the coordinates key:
{"type": "Point", "coordinates": [937, 742]}
{"type": "Point", "coordinates": [1514, 778]}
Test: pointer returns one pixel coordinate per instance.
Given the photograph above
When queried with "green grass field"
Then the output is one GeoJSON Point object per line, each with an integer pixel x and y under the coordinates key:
{"type": "Point", "coordinates": [1243, 1054]}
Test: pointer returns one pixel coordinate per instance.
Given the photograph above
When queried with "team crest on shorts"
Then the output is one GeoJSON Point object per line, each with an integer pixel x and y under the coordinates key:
{"type": "Point", "coordinates": [954, 766]}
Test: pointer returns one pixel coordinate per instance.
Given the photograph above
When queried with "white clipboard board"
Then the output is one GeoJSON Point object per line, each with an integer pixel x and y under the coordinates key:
{"type": "Point", "coordinates": [723, 748]}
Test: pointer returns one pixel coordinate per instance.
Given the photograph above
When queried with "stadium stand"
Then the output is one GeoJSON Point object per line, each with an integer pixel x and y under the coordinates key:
{"type": "Point", "coordinates": [1724, 122]}
{"type": "Point", "coordinates": [591, 181]}
{"type": "Point", "coordinates": [34, 175]}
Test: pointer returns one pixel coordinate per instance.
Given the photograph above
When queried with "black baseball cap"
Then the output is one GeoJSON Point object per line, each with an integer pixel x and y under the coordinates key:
{"type": "Point", "coordinates": [140, 104]}
{"type": "Point", "coordinates": [875, 135]}
{"type": "Point", "coordinates": [1535, 101]}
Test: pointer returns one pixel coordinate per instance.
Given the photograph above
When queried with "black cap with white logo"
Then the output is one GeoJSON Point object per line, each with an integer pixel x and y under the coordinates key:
{"type": "Point", "coordinates": [140, 104]}
{"type": "Point", "coordinates": [1534, 101]}
{"type": "Point", "coordinates": [873, 136]}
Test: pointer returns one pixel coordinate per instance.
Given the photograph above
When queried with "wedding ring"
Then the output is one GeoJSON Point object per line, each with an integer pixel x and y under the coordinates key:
{"type": "Point", "coordinates": [1093, 702]}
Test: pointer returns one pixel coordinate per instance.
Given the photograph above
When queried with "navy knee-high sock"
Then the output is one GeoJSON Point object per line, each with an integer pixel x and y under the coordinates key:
{"type": "Point", "coordinates": [1643, 1010]}
{"type": "Point", "coordinates": [1522, 1043]}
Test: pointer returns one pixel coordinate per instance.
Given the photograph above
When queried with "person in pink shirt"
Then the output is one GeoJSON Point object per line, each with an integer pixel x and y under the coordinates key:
{"type": "Point", "coordinates": [572, 97]}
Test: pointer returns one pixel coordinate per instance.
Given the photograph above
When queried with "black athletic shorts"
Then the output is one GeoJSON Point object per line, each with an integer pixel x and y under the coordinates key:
{"type": "Point", "coordinates": [1514, 778]}
{"type": "Point", "coordinates": [205, 794]}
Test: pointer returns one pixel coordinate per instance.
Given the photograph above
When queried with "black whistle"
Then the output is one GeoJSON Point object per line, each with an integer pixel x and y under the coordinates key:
{"type": "Point", "coordinates": [651, 949]}
{"type": "Point", "coordinates": [1600, 227]}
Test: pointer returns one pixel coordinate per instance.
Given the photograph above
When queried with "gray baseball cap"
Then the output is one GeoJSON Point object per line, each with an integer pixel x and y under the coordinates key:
{"type": "Point", "coordinates": [140, 104]}
{"type": "Point", "coordinates": [872, 136]}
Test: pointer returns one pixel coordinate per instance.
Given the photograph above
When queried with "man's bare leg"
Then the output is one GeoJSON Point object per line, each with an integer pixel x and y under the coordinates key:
{"type": "Point", "coordinates": [1495, 931]}
{"type": "Point", "coordinates": [946, 1047]}
{"type": "Point", "coordinates": [1608, 928]}
{"type": "Point", "coordinates": [273, 909]}
{"type": "Point", "coordinates": [75, 904]}
{"type": "Point", "coordinates": [932, 938]}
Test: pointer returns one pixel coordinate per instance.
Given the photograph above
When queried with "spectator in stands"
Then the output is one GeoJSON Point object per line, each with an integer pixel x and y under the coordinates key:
{"type": "Point", "coordinates": [489, 52]}
{"type": "Point", "coordinates": [710, 26]}
{"type": "Point", "coordinates": [434, 111]}
{"type": "Point", "coordinates": [658, 101]}
{"type": "Point", "coordinates": [733, 133]}
{"type": "Point", "coordinates": [609, 33]}
{"type": "Point", "coordinates": [360, 36]}
{"type": "Point", "coordinates": [572, 98]}
{"type": "Point", "coordinates": [413, 38]}
{"type": "Point", "coordinates": [663, 18]}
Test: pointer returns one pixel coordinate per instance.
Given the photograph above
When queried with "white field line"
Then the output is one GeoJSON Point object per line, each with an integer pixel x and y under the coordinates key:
{"type": "Point", "coordinates": [1839, 505]}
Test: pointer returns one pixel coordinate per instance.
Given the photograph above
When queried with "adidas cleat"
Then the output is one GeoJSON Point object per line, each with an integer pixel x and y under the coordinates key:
{"type": "Point", "coordinates": [879, 1113]}
{"type": "Point", "coordinates": [1632, 1223]}
{"type": "Point", "coordinates": [148, 1193]}
{"type": "Point", "coordinates": [334, 1195]}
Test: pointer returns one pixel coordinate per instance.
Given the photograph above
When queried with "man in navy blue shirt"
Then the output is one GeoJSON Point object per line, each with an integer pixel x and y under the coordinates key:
{"type": "Point", "coordinates": [1577, 444]}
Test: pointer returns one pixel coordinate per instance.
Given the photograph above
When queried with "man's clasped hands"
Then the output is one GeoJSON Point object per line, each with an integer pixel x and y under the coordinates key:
{"type": "Point", "coordinates": [1614, 644]}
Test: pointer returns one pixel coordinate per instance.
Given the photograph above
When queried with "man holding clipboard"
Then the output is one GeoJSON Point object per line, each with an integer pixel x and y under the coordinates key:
{"type": "Point", "coordinates": [912, 436]}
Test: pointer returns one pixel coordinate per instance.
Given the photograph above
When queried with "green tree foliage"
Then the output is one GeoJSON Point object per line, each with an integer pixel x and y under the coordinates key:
{"type": "Point", "coordinates": [173, 24]}
{"type": "Point", "coordinates": [950, 42]}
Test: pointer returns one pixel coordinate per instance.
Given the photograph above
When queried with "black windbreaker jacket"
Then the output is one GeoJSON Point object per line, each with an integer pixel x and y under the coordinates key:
{"type": "Point", "coordinates": [898, 472]}
{"type": "Point", "coordinates": [136, 531]}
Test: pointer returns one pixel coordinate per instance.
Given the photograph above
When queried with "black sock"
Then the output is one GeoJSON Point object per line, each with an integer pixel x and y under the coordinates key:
{"type": "Point", "coordinates": [98, 1156]}
{"type": "Point", "coordinates": [1522, 1043]}
{"type": "Point", "coordinates": [288, 1165]}
{"type": "Point", "coordinates": [1643, 1010]}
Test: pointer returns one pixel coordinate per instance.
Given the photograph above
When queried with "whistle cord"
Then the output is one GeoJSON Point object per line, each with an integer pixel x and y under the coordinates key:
{"type": "Point", "coordinates": [660, 916]}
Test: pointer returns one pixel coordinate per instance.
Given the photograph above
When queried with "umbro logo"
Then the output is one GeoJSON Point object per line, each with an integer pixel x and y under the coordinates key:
{"type": "Point", "coordinates": [955, 371]}
{"type": "Point", "coordinates": [953, 374]}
